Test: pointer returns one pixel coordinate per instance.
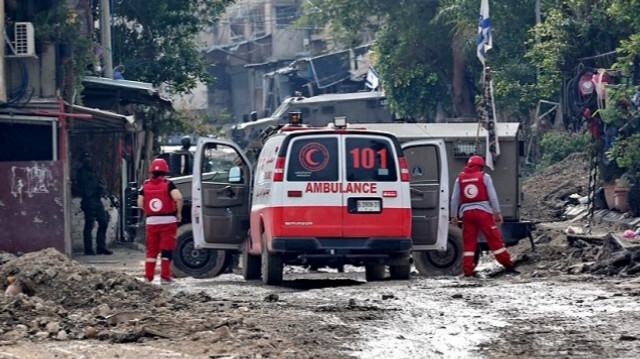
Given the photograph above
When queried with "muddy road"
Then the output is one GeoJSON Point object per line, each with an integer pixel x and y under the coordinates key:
{"type": "Point", "coordinates": [544, 312]}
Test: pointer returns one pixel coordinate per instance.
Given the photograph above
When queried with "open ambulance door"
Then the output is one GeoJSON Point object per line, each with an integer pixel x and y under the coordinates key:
{"type": "Point", "coordinates": [436, 250]}
{"type": "Point", "coordinates": [221, 192]}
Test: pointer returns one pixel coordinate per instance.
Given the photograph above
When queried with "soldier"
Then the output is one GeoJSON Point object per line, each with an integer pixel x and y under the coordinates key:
{"type": "Point", "coordinates": [91, 190]}
{"type": "Point", "coordinates": [186, 161]}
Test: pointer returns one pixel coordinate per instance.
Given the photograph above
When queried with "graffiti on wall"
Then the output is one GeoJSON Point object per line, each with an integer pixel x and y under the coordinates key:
{"type": "Point", "coordinates": [30, 181]}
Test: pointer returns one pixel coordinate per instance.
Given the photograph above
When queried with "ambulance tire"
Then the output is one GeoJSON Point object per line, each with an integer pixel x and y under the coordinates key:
{"type": "Point", "coordinates": [272, 265]}
{"type": "Point", "coordinates": [374, 272]}
{"type": "Point", "coordinates": [448, 263]}
{"type": "Point", "coordinates": [251, 265]}
{"type": "Point", "coordinates": [197, 263]}
{"type": "Point", "coordinates": [401, 272]}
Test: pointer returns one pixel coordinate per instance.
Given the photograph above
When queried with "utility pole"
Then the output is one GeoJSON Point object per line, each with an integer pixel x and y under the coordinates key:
{"type": "Point", "coordinates": [538, 20]}
{"type": "Point", "coordinates": [3, 83]}
{"type": "Point", "coordinates": [105, 37]}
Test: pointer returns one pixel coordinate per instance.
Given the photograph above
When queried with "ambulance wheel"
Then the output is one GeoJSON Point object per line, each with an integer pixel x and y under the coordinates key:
{"type": "Point", "coordinates": [272, 265]}
{"type": "Point", "coordinates": [251, 265]}
{"type": "Point", "coordinates": [400, 271]}
{"type": "Point", "coordinates": [436, 263]}
{"type": "Point", "coordinates": [197, 263]}
{"type": "Point", "coordinates": [374, 272]}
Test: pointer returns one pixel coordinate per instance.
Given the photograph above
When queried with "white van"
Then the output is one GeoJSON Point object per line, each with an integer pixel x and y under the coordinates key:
{"type": "Point", "coordinates": [320, 197]}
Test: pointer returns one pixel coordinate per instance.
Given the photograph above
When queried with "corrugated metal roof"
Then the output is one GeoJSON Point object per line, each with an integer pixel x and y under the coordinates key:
{"type": "Point", "coordinates": [97, 113]}
{"type": "Point", "coordinates": [406, 131]}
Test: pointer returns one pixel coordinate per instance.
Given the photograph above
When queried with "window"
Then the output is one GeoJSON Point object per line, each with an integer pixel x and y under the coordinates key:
{"type": "Point", "coordinates": [370, 159]}
{"type": "Point", "coordinates": [328, 109]}
{"type": "Point", "coordinates": [237, 29]}
{"type": "Point", "coordinates": [465, 150]}
{"type": "Point", "coordinates": [217, 160]}
{"type": "Point", "coordinates": [313, 159]}
{"type": "Point", "coordinates": [257, 21]}
{"type": "Point", "coordinates": [285, 15]}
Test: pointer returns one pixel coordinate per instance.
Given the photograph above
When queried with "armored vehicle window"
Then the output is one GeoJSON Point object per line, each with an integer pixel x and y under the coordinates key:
{"type": "Point", "coordinates": [370, 159]}
{"type": "Point", "coordinates": [328, 109]}
{"type": "Point", "coordinates": [313, 159]}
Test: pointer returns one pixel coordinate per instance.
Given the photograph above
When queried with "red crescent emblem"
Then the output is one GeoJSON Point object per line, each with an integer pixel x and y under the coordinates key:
{"type": "Point", "coordinates": [321, 158]}
{"type": "Point", "coordinates": [308, 158]}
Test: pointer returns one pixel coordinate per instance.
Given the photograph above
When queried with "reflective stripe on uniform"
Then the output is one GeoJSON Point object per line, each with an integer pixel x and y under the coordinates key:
{"type": "Point", "coordinates": [498, 251]}
{"type": "Point", "coordinates": [165, 259]}
{"type": "Point", "coordinates": [151, 260]}
{"type": "Point", "coordinates": [468, 254]}
{"type": "Point", "coordinates": [161, 219]}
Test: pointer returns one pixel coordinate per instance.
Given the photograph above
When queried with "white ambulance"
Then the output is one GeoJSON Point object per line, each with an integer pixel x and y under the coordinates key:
{"type": "Point", "coordinates": [315, 197]}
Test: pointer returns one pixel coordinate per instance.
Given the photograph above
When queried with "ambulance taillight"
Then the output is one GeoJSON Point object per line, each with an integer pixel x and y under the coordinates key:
{"type": "Point", "coordinates": [278, 173]}
{"type": "Point", "coordinates": [404, 169]}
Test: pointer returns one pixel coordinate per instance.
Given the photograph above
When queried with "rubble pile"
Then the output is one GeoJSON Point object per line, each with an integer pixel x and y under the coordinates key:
{"type": "Point", "coordinates": [559, 253]}
{"type": "Point", "coordinates": [548, 192]}
{"type": "Point", "coordinates": [61, 299]}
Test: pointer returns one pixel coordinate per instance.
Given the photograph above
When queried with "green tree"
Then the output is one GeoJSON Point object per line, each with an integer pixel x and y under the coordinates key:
{"type": "Point", "coordinates": [155, 40]}
{"type": "Point", "coordinates": [427, 51]}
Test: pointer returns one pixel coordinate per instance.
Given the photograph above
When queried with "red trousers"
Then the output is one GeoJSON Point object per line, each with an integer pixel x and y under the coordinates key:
{"type": "Point", "coordinates": [473, 221]}
{"type": "Point", "coordinates": [160, 237]}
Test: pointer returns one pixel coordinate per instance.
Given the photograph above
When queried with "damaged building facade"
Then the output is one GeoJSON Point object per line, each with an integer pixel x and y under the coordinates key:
{"type": "Point", "coordinates": [43, 132]}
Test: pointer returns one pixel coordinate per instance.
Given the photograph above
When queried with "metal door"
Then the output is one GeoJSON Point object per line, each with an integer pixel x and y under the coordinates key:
{"type": "Point", "coordinates": [221, 190]}
{"type": "Point", "coordinates": [429, 176]}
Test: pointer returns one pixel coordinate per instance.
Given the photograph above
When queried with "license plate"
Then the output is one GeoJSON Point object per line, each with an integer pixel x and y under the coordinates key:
{"type": "Point", "coordinates": [368, 206]}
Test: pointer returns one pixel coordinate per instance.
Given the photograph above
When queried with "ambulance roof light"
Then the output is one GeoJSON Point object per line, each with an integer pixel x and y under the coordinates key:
{"type": "Point", "coordinates": [295, 118]}
{"type": "Point", "coordinates": [340, 122]}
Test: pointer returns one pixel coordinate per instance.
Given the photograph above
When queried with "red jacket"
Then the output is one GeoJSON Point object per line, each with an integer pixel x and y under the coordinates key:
{"type": "Point", "coordinates": [472, 187]}
{"type": "Point", "coordinates": [157, 199]}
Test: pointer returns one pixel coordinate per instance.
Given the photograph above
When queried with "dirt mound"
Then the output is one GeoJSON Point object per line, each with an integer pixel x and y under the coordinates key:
{"type": "Point", "coordinates": [546, 193]}
{"type": "Point", "coordinates": [64, 299]}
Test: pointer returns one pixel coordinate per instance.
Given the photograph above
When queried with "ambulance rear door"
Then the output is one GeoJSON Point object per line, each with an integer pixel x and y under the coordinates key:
{"type": "Point", "coordinates": [372, 191]}
{"type": "Point", "coordinates": [311, 199]}
{"type": "Point", "coordinates": [429, 176]}
{"type": "Point", "coordinates": [221, 190]}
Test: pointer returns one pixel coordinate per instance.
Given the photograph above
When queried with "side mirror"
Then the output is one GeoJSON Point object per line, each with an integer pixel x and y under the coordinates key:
{"type": "Point", "coordinates": [235, 175]}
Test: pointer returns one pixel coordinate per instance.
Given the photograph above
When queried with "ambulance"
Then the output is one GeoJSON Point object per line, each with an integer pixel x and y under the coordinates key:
{"type": "Point", "coordinates": [315, 197]}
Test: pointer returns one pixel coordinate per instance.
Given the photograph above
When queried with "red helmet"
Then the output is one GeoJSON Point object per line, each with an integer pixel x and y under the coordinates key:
{"type": "Point", "coordinates": [475, 161]}
{"type": "Point", "coordinates": [159, 165]}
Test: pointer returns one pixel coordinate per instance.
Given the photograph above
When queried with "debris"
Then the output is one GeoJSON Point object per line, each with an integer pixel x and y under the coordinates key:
{"type": "Point", "coordinates": [272, 297]}
{"type": "Point", "coordinates": [626, 337]}
{"type": "Point", "coordinates": [123, 317]}
{"type": "Point", "coordinates": [629, 234]}
{"type": "Point", "coordinates": [573, 230]}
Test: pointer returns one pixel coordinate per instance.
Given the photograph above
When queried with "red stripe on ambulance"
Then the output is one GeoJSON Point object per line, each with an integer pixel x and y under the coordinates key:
{"type": "Point", "coordinates": [327, 221]}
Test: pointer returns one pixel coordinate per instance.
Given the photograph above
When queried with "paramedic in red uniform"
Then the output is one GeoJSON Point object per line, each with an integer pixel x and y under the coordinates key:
{"type": "Point", "coordinates": [162, 203]}
{"type": "Point", "coordinates": [475, 201]}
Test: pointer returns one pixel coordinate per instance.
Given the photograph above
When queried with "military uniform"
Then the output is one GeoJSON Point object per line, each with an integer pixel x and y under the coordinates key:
{"type": "Point", "coordinates": [91, 190]}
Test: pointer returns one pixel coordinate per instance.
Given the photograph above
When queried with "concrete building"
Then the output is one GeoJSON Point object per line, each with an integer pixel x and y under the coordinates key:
{"type": "Point", "coordinates": [43, 130]}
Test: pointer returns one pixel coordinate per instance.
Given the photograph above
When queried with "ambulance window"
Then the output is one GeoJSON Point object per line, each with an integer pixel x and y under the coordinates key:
{"type": "Point", "coordinates": [313, 159]}
{"type": "Point", "coordinates": [217, 160]}
{"type": "Point", "coordinates": [370, 159]}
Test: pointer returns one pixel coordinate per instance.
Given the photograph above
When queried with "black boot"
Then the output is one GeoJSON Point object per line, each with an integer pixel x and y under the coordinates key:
{"type": "Point", "coordinates": [104, 251]}
{"type": "Point", "coordinates": [89, 252]}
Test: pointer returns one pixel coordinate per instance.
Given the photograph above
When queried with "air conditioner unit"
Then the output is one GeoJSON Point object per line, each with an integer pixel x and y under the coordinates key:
{"type": "Point", "coordinates": [24, 43]}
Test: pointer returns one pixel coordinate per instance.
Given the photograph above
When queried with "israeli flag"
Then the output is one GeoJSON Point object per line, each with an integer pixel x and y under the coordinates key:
{"type": "Point", "coordinates": [373, 80]}
{"type": "Point", "coordinates": [485, 41]}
